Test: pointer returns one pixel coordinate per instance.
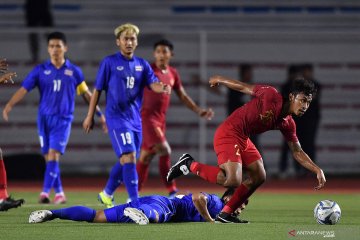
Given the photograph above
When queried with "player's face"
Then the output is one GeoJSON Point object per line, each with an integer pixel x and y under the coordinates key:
{"type": "Point", "coordinates": [162, 55]}
{"type": "Point", "coordinates": [127, 43]}
{"type": "Point", "coordinates": [57, 49]}
{"type": "Point", "coordinates": [299, 103]}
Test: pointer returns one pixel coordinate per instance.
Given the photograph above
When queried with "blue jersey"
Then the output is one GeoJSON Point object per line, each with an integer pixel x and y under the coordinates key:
{"type": "Point", "coordinates": [124, 80]}
{"type": "Point", "coordinates": [57, 87]}
{"type": "Point", "coordinates": [186, 211]}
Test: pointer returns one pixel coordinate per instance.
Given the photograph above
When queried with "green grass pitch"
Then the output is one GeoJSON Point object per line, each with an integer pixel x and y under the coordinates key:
{"type": "Point", "coordinates": [272, 216]}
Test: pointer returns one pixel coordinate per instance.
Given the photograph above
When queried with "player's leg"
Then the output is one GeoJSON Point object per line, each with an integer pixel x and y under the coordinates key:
{"type": "Point", "coordinates": [254, 166]}
{"type": "Point", "coordinates": [6, 202]}
{"type": "Point", "coordinates": [76, 213]}
{"type": "Point", "coordinates": [164, 151]}
{"type": "Point", "coordinates": [143, 164]}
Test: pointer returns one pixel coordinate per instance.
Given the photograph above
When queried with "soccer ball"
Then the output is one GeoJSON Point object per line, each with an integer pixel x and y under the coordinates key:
{"type": "Point", "coordinates": [327, 212]}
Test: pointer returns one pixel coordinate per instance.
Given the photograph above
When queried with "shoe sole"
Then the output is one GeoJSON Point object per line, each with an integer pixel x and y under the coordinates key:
{"type": "Point", "coordinates": [176, 164]}
{"type": "Point", "coordinates": [40, 216]}
{"type": "Point", "coordinates": [136, 215]}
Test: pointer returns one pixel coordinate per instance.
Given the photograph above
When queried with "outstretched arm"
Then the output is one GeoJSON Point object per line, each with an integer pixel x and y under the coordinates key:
{"type": "Point", "coordinates": [88, 123]}
{"type": "Point", "coordinates": [200, 203]}
{"type": "Point", "coordinates": [186, 99]}
{"type": "Point", "coordinates": [87, 98]}
{"type": "Point", "coordinates": [159, 87]}
{"type": "Point", "coordinates": [306, 162]}
{"type": "Point", "coordinates": [7, 77]}
{"type": "Point", "coordinates": [231, 83]}
{"type": "Point", "coordinates": [18, 95]}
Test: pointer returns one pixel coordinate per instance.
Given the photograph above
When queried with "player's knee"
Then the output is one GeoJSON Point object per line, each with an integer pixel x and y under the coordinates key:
{"type": "Point", "coordinates": [260, 179]}
{"type": "Point", "coordinates": [232, 182]}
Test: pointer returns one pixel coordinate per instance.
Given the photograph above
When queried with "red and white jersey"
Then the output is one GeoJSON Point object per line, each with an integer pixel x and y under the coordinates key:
{"type": "Point", "coordinates": [155, 105]}
{"type": "Point", "coordinates": [261, 114]}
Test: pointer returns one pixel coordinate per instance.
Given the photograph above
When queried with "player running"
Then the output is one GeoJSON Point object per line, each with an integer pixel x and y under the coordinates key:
{"type": "Point", "coordinates": [200, 207]}
{"type": "Point", "coordinates": [123, 76]}
{"type": "Point", "coordinates": [153, 113]}
{"type": "Point", "coordinates": [57, 80]}
{"type": "Point", "coordinates": [268, 110]}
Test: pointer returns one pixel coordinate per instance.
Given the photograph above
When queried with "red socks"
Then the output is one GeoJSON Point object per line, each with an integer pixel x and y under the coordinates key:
{"type": "Point", "coordinates": [241, 194]}
{"type": "Point", "coordinates": [3, 181]}
{"type": "Point", "coordinates": [143, 173]}
{"type": "Point", "coordinates": [207, 172]}
{"type": "Point", "coordinates": [164, 167]}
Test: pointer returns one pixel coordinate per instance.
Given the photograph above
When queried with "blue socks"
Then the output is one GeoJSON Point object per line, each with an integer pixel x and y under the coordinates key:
{"type": "Point", "coordinates": [51, 173]}
{"type": "Point", "coordinates": [78, 213]}
{"type": "Point", "coordinates": [131, 180]}
{"type": "Point", "coordinates": [115, 179]}
{"type": "Point", "coordinates": [57, 184]}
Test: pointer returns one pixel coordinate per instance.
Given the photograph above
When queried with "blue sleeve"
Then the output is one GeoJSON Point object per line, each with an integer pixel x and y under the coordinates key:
{"type": "Point", "coordinates": [149, 74]}
{"type": "Point", "coordinates": [31, 79]}
{"type": "Point", "coordinates": [79, 76]}
{"type": "Point", "coordinates": [103, 75]}
{"type": "Point", "coordinates": [214, 204]}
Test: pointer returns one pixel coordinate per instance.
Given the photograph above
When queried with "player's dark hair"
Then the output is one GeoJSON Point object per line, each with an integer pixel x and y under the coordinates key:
{"type": "Point", "coordinates": [164, 42]}
{"type": "Point", "coordinates": [228, 192]}
{"type": "Point", "coordinates": [57, 35]}
{"type": "Point", "coordinates": [302, 85]}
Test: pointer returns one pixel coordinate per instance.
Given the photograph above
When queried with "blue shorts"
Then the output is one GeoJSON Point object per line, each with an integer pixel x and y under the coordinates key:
{"type": "Point", "coordinates": [54, 132]}
{"type": "Point", "coordinates": [125, 141]}
{"type": "Point", "coordinates": [116, 214]}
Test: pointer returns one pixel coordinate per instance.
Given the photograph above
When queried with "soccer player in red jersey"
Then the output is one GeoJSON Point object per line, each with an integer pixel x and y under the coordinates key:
{"type": "Point", "coordinates": [6, 202]}
{"type": "Point", "coordinates": [153, 113]}
{"type": "Point", "coordinates": [268, 110]}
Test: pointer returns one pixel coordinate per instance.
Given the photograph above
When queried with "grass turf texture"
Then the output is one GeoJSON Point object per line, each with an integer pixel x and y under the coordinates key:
{"type": "Point", "coordinates": [271, 215]}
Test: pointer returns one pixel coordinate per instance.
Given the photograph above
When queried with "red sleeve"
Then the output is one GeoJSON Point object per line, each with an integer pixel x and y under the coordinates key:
{"type": "Point", "coordinates": [177, 82]}
{"type": "Point", "coordinates": [288, 130]}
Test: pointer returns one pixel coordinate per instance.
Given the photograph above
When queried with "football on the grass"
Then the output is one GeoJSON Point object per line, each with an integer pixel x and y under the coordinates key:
{"type": "Point", "coordinates": [327, 212]}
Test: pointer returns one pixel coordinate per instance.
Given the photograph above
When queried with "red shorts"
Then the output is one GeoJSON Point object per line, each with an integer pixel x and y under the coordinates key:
{"type": "Point", "coordinates": [153, 133]}
{"type": "Point", "coordinates": [234, 149]}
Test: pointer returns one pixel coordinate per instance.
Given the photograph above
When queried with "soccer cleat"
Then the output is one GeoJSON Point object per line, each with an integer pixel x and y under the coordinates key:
{"type": "Point", "coordinates": [136, 215]}
{"type": "Point", "coordinates": [44, 198]}
{"type": "Point", "coordinates": [59, 199]}
{"type": "Point", "coordinates": [182, 167]}
{"type": "Point", "coordinates": [40, 216]}
{"type": "Point", "coordinates": [8, 203]}
{"type": "Point", "coordinates": [224, 217]}
{"type": "Point", "coordinates": [107, 201]}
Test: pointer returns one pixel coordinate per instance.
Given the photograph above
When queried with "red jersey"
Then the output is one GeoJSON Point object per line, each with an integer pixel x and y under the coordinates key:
{"type": "Point", "coordinates": [261, 114]}
{"type": "Point", "coordinates": [155, 105]}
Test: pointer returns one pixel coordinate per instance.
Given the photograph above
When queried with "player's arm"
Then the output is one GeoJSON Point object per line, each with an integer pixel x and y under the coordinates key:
{"type": "Point", "coordinates": [159, 87]}
{"type": "Point", "coordinates": [88, 123]}
{"type": "Point", "coordinates": [18, 95]}
{"type": "Point", "coordinates": [186, 99]}
{"type": "Point", "coordinates": [200, 202]}
{"type": "Point", "coordinates": [231, 83]}
{"type": "Point", "coordinates": [306, 162]}
{"type": "Point", "coordinates": [84, 91]}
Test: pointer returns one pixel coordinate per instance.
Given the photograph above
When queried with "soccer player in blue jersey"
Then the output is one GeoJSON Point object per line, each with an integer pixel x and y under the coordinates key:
{"type": "Point", "coordinates": [123, 77]}
{"type": "Point", "coordinates": [199, 207]}
{"type": "Point", "coordinates": [57, 81]}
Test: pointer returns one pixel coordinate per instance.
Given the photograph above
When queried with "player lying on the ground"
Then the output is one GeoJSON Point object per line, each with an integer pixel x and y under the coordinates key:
{"type": "Point", "coordinates": [199, 207]}
{"type": "Point", "coordinates": [268, 110]}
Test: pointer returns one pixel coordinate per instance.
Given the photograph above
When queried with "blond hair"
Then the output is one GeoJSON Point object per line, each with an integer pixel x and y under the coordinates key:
{"type": "Point", "coordinates": [127, 27]}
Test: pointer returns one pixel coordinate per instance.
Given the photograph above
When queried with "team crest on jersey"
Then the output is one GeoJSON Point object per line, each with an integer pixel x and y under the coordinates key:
{"type": "Point", "coordinates": [68, 72]}
{"type": "Point", "coordinates": [47, 72]}
{"type": "Point", "coordinates": [138, 68]}
{"type": "Point", "coordinates": [267, 117]}
{"type": "Point", "coordinates": [120, 68]}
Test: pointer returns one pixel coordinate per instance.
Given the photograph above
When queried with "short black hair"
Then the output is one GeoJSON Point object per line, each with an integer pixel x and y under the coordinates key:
{"type": "Point", "coordinates": [229, 191]}
{"type": "Point", "coordinates": [302, 85]}
{"type": "Point", "coordinates": [57, 35]}
{"type": "Point", "coordinates": [164, 42]}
